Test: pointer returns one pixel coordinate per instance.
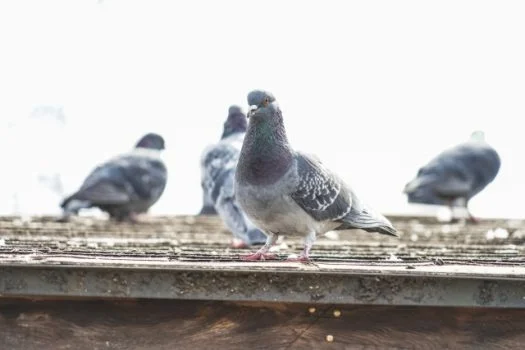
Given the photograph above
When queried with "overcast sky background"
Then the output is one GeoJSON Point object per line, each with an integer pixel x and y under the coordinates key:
{"type": "Point", "coordinates": [374, 88]}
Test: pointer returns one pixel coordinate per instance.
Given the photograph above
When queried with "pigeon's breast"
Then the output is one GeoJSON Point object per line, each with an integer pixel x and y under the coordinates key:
{"type": "Point", "coordinates": [271, 208]}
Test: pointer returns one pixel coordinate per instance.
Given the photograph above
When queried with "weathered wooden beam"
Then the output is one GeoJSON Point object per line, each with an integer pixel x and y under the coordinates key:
{"type": "Point", "coordinates": [175, 324]}
{"type": "Point", "coordinates": [191, 258]}
{"type": "Point", "coordinates": [357, 285]}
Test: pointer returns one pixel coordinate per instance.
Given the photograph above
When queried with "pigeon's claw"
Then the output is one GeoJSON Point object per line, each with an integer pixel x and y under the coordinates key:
{"type": "Point", "coordinates": [239, 243]}
{"type": "Point", "coordinates": [473, 220]}
{"type": "Point", "coordinates": [134, 218]}
{"type": "Point", "coordinates": [258, 256]}
{"type": "Point", "coordinates": [301, 258]}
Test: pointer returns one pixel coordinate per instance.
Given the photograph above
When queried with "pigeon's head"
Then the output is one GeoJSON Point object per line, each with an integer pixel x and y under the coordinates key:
{"type": "Point", "coordinates": [262, 104]}
{"type": "Point", "coordinates": [477, 135]}
{"type": "Point", "coordinates": [236, 121]}
{"type": "Point", "coordinates": [151, 141]}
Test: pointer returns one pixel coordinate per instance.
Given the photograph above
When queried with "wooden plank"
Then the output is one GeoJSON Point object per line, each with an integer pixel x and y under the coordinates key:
{"type": "Point", "coordinates": [384, 268]}
{"type": "Point", "coordinates": [171, 324]}
{"type": "Point", "coordinates": [353, 286]}
{"type": "Point", "coordinates": [186, 257]}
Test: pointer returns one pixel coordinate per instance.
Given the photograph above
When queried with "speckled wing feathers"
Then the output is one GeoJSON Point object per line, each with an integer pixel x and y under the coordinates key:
{"type": "Point", "coordinates": [319, 192]}
{"type": "Point", "coordinates": [325, 197]}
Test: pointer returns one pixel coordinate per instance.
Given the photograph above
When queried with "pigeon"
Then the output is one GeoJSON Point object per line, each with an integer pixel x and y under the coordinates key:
{"type": "Point", "coordinates": [124, 186]}
{"type": "Point", "coordinates": [207, 206]}
{"type": "Point", "coordinates": [284, 191]}
{"type": "Point", "coordinates": [456, 175]}
{"type": "Point", "coordinates": [218, 164]}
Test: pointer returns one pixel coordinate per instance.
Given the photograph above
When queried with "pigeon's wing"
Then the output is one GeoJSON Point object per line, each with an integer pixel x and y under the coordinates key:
{"type": "Point", "coordinates": [319, 192]}
{"type": "Point", "coordinates": [147, 176]}
{"type": "Point", "coordinates": [103, 193]}
{"type": "Point", "coordinates": [460, 171]}
{"type": "Point", "coordinates": [207, 204]}
{"type": "Point", "coordinates": [218, 165]}
{"type": "Point", "coordinates": [104, 185]}
{"type": "Point", "coordinates": [217, 162]}
{"type": "Point", "coordinates": [232, 214]}
{"type": "Point", "coordinates": [444, 185]}
{"type": "Point", "coordinates": [230, 211]}
{"type": "Point", "coordinates": [232, 217]}
{"type": "Point", "coordinates": [324, 196]}
{"type": "Point", "coordinates": [206, 201]}
{"type": "Point", "coordinates": [453, 186]}
{"type": "Point", "coordinates": [451, 174]}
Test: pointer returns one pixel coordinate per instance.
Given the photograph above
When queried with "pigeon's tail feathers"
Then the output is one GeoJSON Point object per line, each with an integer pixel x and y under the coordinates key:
{"type": "Point", "coordinates": [369, 221]}
{"type": "Point", "coordinates": [71, 205]}
{"type": "Point", "coordinates": [418, 182]}
{"type": "Point", "coordinates": [384, 230]}
{"type": "Point", "coordinates": [65, 202]}
{"type": "Point", "coordinates": [372, 224]}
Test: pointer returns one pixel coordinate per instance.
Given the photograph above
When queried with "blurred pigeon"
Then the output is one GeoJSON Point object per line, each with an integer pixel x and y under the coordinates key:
{"type": "Point", "coordinates": [288, 192]}
{"type": "Point", "coordinates": [218, 164]}
{"type": "Point", "coordinates": [207, 205]}
{"type": "Point", "coordinates": [124, 186]}
{"type": "Point", "coordinates": [456, 175]}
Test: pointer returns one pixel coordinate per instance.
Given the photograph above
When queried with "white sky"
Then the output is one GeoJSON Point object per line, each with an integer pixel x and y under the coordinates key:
{"type": "Point", "coordinates": [374, 88]}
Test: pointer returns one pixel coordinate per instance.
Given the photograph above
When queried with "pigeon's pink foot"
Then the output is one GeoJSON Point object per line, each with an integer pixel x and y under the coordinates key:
{"type": "Point", "coordinates": [132, 218]}
{"type": "Point", "coordinates": [239, 244]}
{"type": "Point", "coordinates": [473, 220]}
{"type": "Point", "coordinates": [258, 256]}
{"type": "Point", "coordinates": [301, 258]}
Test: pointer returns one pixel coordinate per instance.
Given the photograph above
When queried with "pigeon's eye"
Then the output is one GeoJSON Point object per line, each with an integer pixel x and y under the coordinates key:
{"type": "Point", "coordinates": [266, 100]}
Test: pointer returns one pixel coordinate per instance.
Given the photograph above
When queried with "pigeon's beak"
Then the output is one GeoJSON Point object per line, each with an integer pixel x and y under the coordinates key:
{"type": "Point", "coordinates": [251, 110]}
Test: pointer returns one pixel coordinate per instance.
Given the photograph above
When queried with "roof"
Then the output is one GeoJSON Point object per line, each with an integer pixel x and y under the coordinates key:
{"type": "Point", "coordinates": [188, 257]}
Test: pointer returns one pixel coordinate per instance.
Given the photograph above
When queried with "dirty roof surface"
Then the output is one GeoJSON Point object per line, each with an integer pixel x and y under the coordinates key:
{"type": "Point", "coordinates": [190, 257]}
{"type": "Point", "coordinates": [204, 239]}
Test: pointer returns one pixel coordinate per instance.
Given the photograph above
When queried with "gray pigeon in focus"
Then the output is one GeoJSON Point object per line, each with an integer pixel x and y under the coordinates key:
{"type": "Point", "coordinates": [124, 186]}
{"type": "Point", "coordinates": [287, 192]}
{"type": "Point", "coordinates": [218, 164]}
{"type": "Point", "coordinates": [456, 175]}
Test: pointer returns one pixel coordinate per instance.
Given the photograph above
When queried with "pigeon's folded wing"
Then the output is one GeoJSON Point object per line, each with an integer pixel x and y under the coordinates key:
{"type": "Point", "coordinates": [218, 161]}
{"type": "Point", "coordinates": [232, 217]}
{"type": "Point", "coordinates": [325, 197]}
{"type": "Point", "coordinates": [103, 192]}
{"type": "Point", "coordinates": [105, 185]}
{"type": "Point", "coordinates": [147, 176]}
{"type": "Point", "coordinates": [445, 179]}
{"type": "Point", "coordinates": [453, 186]}
{"type": "Point", "coordinates": [319, 192]}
